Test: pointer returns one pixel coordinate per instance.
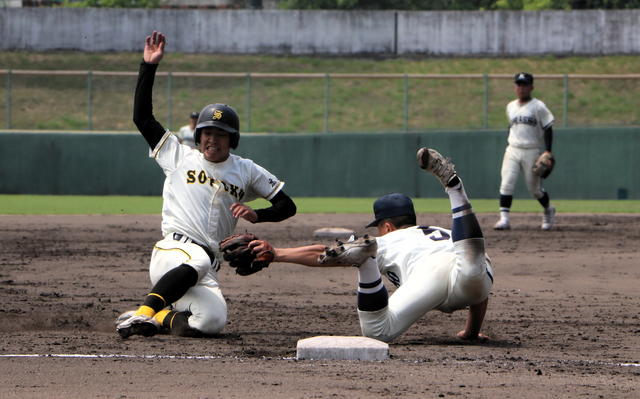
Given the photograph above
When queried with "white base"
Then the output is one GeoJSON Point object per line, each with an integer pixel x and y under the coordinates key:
{"type": "Point", "coordinates": [333, 232]}
{"type": "Point", "coordinates": [342, 348]}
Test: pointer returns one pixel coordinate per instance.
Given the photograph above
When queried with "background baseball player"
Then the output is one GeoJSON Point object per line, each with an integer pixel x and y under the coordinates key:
{"type": "Point", "coordinates": [203, 197]}
{"type": "Point", "coordinates": [530, 123]}
{"type": "Point", "coordinates": [432, 267]}
{"type": "Point", "coordinates": [185, 134]}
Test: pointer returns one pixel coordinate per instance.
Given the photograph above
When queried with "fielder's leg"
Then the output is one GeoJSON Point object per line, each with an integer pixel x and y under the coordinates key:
{"type": "Point", "coordinates": [534, 185]}
{"type": "Point", "coordinates": [509, 176]}
{"type": "Point", "coordinates": [473, 274]}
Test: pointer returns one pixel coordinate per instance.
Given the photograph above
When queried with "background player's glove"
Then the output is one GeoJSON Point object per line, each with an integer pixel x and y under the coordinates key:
{"type": "Point", "coordinates": [236, 251]}
{"type": "Point", "coordinates": [544, 165]}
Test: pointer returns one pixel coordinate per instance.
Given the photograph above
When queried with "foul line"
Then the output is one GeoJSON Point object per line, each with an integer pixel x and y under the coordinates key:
{"type": "Point", "coordinates": [79, 356]}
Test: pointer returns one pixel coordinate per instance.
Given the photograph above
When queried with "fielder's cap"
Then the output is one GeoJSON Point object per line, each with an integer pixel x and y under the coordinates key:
{"type": "Point", "coordinates": [523, 77]}
{"type": "Point", "coordinates": [195, 114]}
{"type": "Point", "coordinates": [391, 205]}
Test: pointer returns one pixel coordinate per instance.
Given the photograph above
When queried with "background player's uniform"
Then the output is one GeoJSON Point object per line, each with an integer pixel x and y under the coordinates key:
{"type": "Point", "coordinates": [431, 272]}
{"type": "Point", "coordinates": [197, 196]}
{"type": "Point", "coordinates": [185, 135]}
{"type": "Point", "coordinates": [527, 123]}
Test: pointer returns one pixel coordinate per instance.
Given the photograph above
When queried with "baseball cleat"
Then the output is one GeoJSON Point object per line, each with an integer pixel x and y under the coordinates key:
{"type": "Point", "coordinates": [502, 224]}
{"type": "Point", "coordinates": [547, 217]}
{"type": "Point", "coordinates": [138, 325]}
{"type": "Point", "coordinates": [434, 163]}
{"type": "Point", "coordinates": [353, 253]}
{"type": "Point", "coordinates": [123, 317]}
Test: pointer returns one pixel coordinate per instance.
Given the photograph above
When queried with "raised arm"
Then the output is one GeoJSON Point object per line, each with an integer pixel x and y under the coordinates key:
{"type": "Point", "coordinates": [143, 117]}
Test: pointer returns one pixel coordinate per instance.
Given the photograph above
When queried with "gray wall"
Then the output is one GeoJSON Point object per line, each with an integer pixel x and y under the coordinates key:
{"type": "Point", "coordinates": [591, 163]}
{"type": "Point", "coordinates": [449, 33]}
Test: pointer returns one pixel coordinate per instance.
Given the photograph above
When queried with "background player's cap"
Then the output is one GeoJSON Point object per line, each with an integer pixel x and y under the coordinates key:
{"type": "Point", "coordinates": [523, 77]}
{"type": "Point", "coordinates": [391, 205]}
{"type": "Point", "coordinates": [195, 114]}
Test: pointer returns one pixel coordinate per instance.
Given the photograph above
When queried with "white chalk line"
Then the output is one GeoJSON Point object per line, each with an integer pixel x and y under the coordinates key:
{"type": "Point", "coordinates": [204, 357]}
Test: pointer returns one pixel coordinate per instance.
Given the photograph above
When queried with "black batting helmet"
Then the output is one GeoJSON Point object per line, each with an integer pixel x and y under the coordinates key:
{"type": "Point", "coordinates": [221, 116]}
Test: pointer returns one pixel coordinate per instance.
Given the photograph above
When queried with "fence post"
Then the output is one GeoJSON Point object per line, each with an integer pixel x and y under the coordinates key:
{"type": "Point", "coordinates": [248, 102]}
{"type": "Point", "coordinates": [326, 102]}
{"type": "Point", "coordinates": [169, 100]}
{"type": "Point", "coordinates": [406, 102]}
{"type": "Point", "coordinates": [486, 101]}
{"type": "Point", "coordinates": [9, 99]}
{"type": "Point", "coordinates": [89, 100]}
{"type": "Point", "coordinates": [566, 100]}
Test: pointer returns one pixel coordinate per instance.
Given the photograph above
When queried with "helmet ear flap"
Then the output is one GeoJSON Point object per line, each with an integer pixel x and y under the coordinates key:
{"type": "Point", "coordinates": [234, 139]}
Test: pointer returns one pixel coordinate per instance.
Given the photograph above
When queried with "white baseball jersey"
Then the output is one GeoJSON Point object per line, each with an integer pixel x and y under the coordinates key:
{"type": "Point", "coordinates": [405, 253]}
{"type": "Point", "coordinates": [431, 272]}
{"type": "Point", "coordinates": [527, 123]}
{"type": "Point", "coordinates": [401, 251]}
{"type": "Point", "coordinates": [198, 194]}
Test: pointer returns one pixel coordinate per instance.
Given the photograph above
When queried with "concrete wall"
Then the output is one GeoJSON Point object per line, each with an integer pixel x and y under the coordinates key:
{"type": "Point", "coordinates": [591, 163]}
{"type": "Point", "coordinates": [448, 33]}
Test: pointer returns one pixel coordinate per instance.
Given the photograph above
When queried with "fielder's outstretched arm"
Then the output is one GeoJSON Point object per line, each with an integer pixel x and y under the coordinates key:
{"type": "Point", "coordinates": [306, 256]}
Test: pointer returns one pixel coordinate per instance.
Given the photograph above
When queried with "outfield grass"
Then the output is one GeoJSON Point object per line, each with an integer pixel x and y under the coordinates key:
{"type": "Point", "coordinates": [298, 105]}
{"type": "Point", "coordinates": [131, 205]}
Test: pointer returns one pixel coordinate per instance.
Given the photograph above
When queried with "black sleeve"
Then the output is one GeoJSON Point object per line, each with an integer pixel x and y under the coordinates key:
{"type": "Point", "coordinates": [548, 138]}
{"type": "Point", "coordinates": [150, 128]}
{"type": "Point", "coordinates": [282, 208]}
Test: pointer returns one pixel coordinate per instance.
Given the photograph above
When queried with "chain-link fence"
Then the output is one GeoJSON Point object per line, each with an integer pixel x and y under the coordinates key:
{"type": "Point", "coordinates": [311, 102]}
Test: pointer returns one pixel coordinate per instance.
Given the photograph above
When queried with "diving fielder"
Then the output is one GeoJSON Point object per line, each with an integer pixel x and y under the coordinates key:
{"type": "Point", "coordinates": [433, 268]}
{"type": "Point", "coordinates": [530, 123]}
{"type": "Point", "coordinates": [204, 194]}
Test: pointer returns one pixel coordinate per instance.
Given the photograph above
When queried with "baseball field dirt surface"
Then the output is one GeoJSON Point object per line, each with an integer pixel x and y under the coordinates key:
{"type": "Point", "coordinates": [563, 317]}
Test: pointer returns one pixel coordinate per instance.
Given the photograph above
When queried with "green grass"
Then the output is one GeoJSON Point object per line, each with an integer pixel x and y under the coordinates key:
{"type": "Point", "coordinates": [131, 205]}
{"type": "Point", "coordinates": [298, 105]}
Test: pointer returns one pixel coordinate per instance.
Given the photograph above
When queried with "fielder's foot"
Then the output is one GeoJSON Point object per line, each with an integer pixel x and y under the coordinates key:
{"type": "Point", "coordinates": [434, 163]}
{"type": "Point", "coordinates": [503, 224]}
{"type": "Point", "coordinates": [547, 217]}
{"type": "Point", "coordinates": [353, 253]}
{"type": "Point", "coordinates": [137, 325]}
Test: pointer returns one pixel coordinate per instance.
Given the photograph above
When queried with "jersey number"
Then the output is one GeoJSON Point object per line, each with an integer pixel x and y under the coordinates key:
{"type": "Point", "coordinates": [435, 234]}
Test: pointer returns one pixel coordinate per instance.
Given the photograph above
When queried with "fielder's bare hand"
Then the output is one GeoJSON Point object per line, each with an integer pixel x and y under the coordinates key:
{"type": "Point", "coordinates": [154, 48]}
{"type": "Point", "coordinates": [244, 211]}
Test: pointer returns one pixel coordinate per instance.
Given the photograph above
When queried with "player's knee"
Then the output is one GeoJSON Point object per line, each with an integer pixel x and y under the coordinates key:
{"type": "Point", "coordinates": [208, 323]}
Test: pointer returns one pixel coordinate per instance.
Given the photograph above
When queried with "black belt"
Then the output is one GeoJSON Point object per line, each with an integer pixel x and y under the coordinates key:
{"type": "Point", "coordinates": [185, 239]}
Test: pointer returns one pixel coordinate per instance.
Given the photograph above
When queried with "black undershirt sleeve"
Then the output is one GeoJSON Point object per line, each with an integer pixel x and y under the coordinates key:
{"type": "Point", "coordinates": [548, 138]}
{"type": "Point", "coordinates": [150, 128]}
{"type": "Point", "coordinates": [282, 208]}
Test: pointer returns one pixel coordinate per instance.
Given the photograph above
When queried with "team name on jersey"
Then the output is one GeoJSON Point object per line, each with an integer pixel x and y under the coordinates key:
{"type": "Point", "coordinates": [523, 120]}
{"type": "Point", "coordinates": [194, 177]}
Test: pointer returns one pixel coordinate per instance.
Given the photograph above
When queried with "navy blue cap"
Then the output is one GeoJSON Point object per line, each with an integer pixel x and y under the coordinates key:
{"type": "Point", "coordinates": [195, 114]}
{"type": "Point", "coordinates": [390, 206]}
{"type": "Point", "coordinates": [523, 77]}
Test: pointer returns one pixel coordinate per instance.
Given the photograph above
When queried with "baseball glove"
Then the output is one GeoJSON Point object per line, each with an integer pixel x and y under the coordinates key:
{"type": "Point", "coordinates": [544, 165]}
{"type": "Point", "coordinates": [236, 251]}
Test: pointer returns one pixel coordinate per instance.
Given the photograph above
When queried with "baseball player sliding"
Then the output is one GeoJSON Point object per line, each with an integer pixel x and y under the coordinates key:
{"type": "Point", "coordinates": [530, 123]}
{"type": "Point", "coordinates": [432, 267]}
{"type": "Point", "coordinates": [203, 197]}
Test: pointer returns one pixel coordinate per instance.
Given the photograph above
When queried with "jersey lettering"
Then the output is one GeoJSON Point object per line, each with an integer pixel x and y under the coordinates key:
{"type": "Point", "coordinates": [523, 120]}
{"type": "Point", "coordinates": [191, 176]}
{"type": "Point", "coordinates": [202, 178]}
{"type": "Point", "coordinates": [435, 234]}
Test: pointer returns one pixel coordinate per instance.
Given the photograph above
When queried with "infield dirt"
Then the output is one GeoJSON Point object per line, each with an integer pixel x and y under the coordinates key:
{"type": "Point", "coordinates": [563, 317]}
